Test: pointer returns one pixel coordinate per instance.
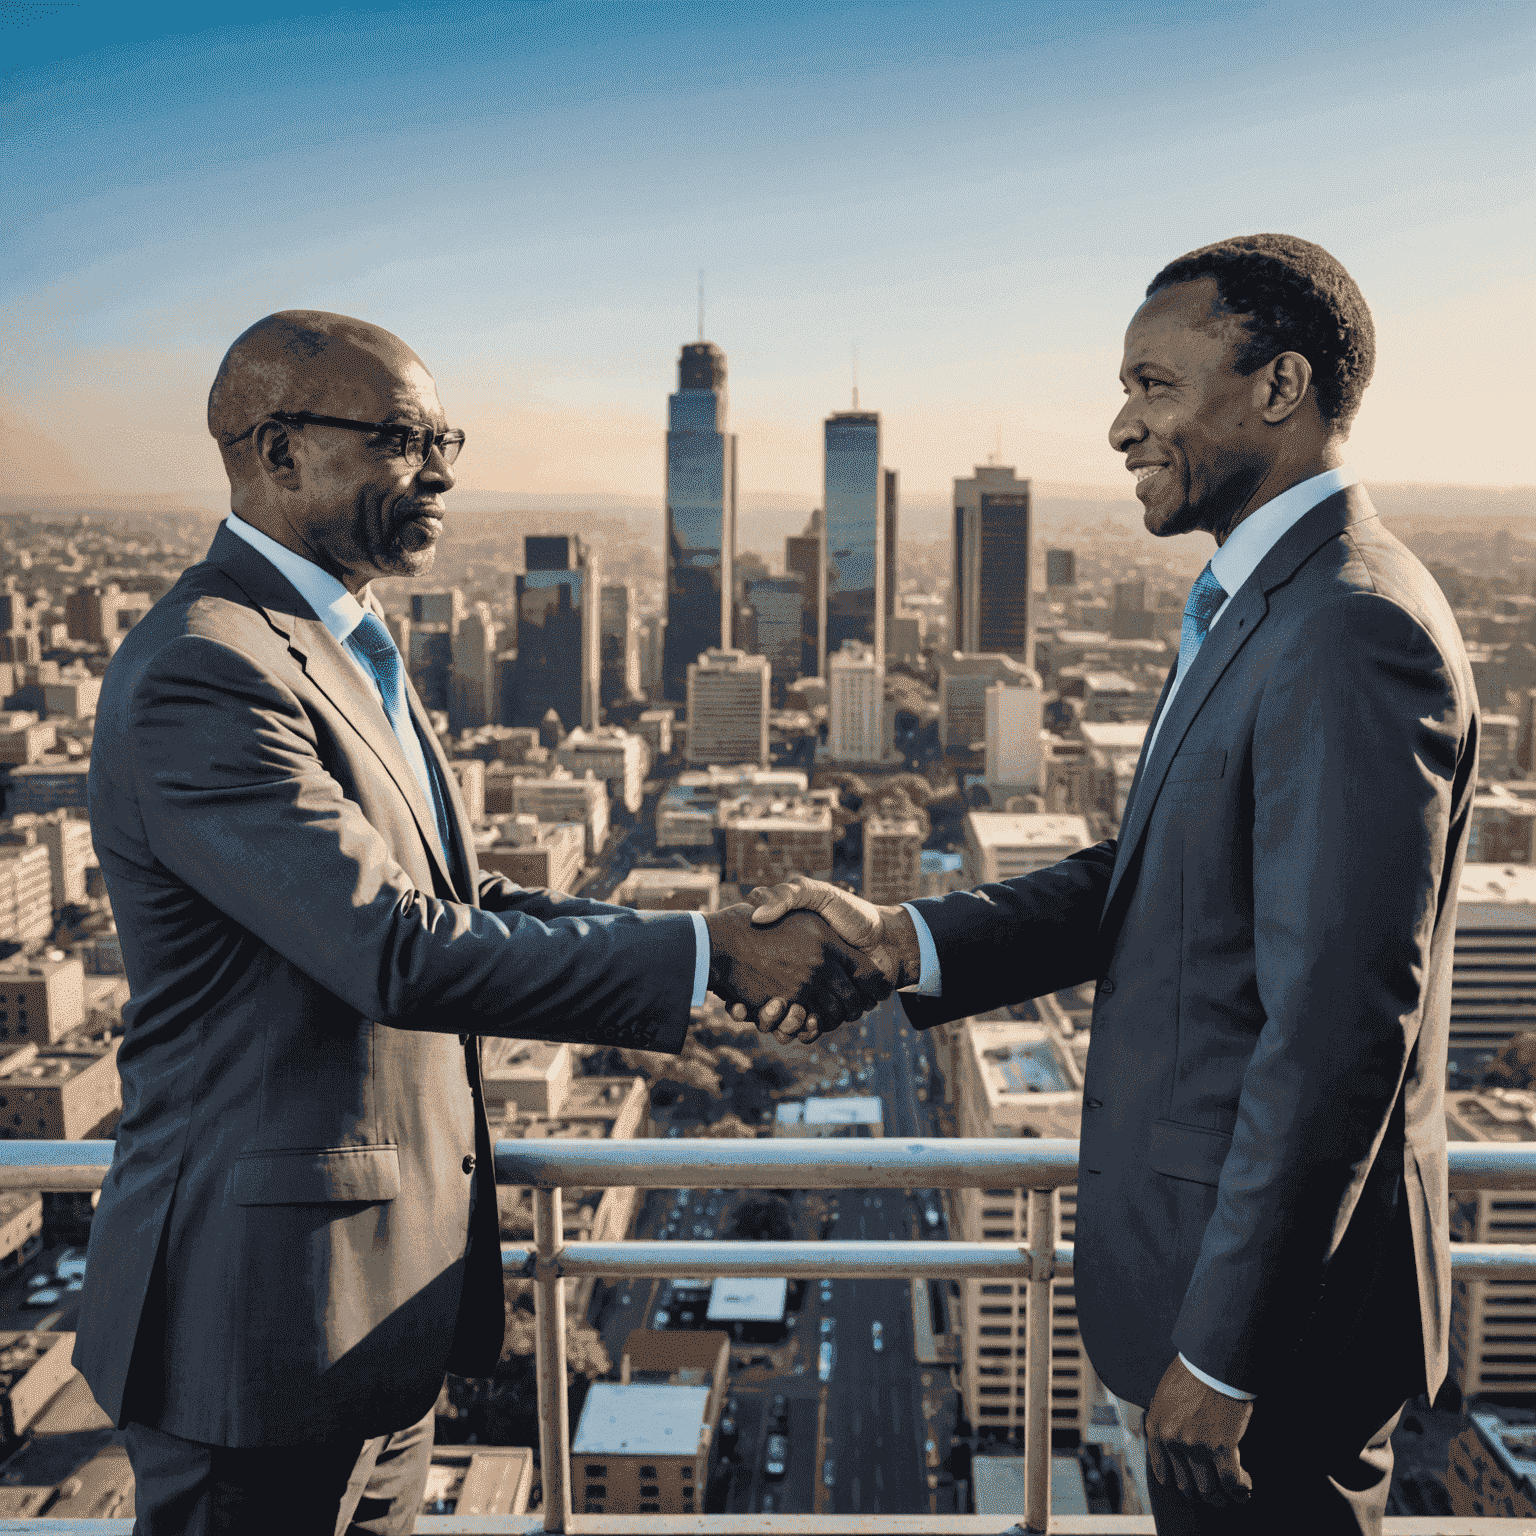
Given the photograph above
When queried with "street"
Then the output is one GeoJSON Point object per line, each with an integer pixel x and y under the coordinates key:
{"type": "Point", "coordinates": [858, 1442]}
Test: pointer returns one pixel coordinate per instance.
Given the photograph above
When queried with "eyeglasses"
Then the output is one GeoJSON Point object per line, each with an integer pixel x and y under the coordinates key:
{"type": "Point", "coordinates": [413, 443]}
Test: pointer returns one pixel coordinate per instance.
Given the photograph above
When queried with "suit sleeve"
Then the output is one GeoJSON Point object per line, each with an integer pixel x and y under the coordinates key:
{"type": "Point", "coordinates": [1356, 744]}
{"type": "Point", "coordinates": [1017, 939]}
{"type": "Point", "coordinates": [237, 804]}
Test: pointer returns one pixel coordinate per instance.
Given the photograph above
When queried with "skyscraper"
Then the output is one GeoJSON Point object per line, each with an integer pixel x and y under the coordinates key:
{"type": "Point", "coordinates": [776, 604]}
{"type": "Point", "coordinates": [802, 558]}
{"type": "Point", "coordinates": [557, 634]}
{"type": "Point", "coordinates": [727, 708]}
{"type": "Point", "coordinates": [701, 515]}
{"type": "Point", "coordinates": [855, 704]}
{"type": "Point", "coordinates": [991, 601]}
{"type": "Point", "coordinates": [619, 645]}
{"type": "Point", "coordinates": [852, 604]}
{"type": "Point", "coordinates": [472, 681]}
{"type": "Point", "coordinates": [890, 543]}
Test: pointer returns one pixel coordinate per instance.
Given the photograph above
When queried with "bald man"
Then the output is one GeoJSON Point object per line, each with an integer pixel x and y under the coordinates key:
{"type": "Point", "coordinates": [297, 1238]}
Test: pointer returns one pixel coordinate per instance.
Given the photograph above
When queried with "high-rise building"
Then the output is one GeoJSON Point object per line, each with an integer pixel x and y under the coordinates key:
{"type": "Point", "coordinates": [891, 545]}
{"type": "Point", "coordinates": [445, 606]}
{"type": "Point", "coordinates": [855, 705]}
{"type": "Point", "coordinates": [430, 663]}
{"type": "Point", "coordinates": [557, 634]}
{"type": "Point", "coordinates": [728, 694]}
{"type": "Point", "coordinates": [618, 645]}
{"type": "Point", "coordinates": [893, 857]}
{"type": "Point", "coordinates": [990, 596]}
{"type": "Point", "coordinates": [472, 683]}
{"type": "Point", "coordinates": [777, 605]}
{"type": "Point", "coordinates": [1061, 568]}
{"type": "Point", "coordinates": [802, 558]}
{"type": "Point", "coordinates": [701, 515]}
{"type": "Point", "coordinates": [852, 604]}
{"type": "Point", "coordinates": [651, 639]}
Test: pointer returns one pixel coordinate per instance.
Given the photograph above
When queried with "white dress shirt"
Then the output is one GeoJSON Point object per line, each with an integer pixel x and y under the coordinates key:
{"type": "Point", "coordinates": [1232, 564]}
{"type": "Point", "coordinates": [341, 613]}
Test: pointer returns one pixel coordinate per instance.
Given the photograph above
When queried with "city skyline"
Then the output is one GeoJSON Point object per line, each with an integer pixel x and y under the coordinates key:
{"type": "Point", "coordinates": [986, 260]}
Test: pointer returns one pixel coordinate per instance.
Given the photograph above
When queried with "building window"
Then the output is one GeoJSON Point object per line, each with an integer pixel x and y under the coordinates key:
{"type": "Point", "coordinates": [647, 1471]}
{"type": "Point", "coordinates": [596, 1471]}
{"type": "Point", "coordinates": [650, 1509]}
{"type": "Point", "coordinates": [649, 1491]}
{"type": "Point", "coordinates": [596, 1491]}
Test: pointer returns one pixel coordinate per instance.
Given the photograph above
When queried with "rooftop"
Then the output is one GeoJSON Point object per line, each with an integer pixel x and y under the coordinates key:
{"type": "Point", "coordinates": [642, 1419]}
{"type": "Point", "coordinates": [1115, 735]}
{"type": "Point", "coordinates": [1008, 829]}
{"type": "Point", "coordinates": [1487, 886]}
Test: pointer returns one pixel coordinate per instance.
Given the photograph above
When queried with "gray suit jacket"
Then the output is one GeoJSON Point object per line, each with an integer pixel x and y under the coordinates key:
{"type": "Point", "coordinates": [1263, 1168]}
{"type": "Point", "coordinates": [280, 1250]}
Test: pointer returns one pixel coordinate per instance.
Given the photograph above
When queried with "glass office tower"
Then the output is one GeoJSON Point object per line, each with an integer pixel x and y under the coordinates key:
{"type": "Point", "coordinates": [557, 635]}
{"type": "Point", "coordinates": [989, 597]}
{"type": "Point", "coordinates": [853, 533]}
{"type": "Point", "coordinates": [701, 515]}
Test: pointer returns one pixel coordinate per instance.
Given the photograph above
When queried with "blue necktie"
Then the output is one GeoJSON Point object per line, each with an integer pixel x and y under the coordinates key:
{"type": "Point", "coordinates": [377, 647]}
{"type": "Point", "coordinates": [1205, 597]}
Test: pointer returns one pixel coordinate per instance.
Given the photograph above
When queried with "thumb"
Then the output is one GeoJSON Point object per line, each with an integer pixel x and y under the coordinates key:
{"type": "Point", "coordinates": [772, 902]}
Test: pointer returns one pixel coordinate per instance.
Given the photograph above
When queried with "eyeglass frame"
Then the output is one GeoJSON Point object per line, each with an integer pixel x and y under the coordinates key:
{"type": "Point", "coordinates": [401, 431]}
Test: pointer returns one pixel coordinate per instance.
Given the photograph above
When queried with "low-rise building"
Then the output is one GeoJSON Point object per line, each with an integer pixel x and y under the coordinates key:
{"type": "Point", "coordinates": [50, 783]}
{"type": "Point", "coordinates": [854, 1114]}
{"type": "Point", "coordinates": [783, 840]}
{"type": "Point", "coordinates": [25, 738]}
{"type": "Point", "coordinates": [36, 1366]}
{"type": "Point", "coordinates": [1503, 828]}
{"type": "Point", "coordinates": [1493, 966]}
{"type": "Point", "coordinates": [70, 850]}
{"type": "Point", "coordinates": [1000, 845]}
{"type": "Point", "coordinates": [74, 696]}
{"type": "Point", "coordinates": [669, 890]}
{"type": "Point", "coordinates": [621, 759]}
{"type": "Point", "coordinates": [655, 725]}
{"type": "Point", "coordinates": [26, 893]}
{"type": "Point", "coordinates": [478, 1480]}
{"type": "Point", "coordinates": [41, 1001]}
{"type": "Point", "coordinates": [59, 1094]}
{"type": "Point", "coordinates": [538, 854]}
{"type": "Point", "coordinates": [1498, 745]}
{"type": "Point", "coordinates": [563, 797]}
{"type": "Point", "coordinates": [21, 1225]}
{"type": "Point", "coordinates": [469, 772]}
{"type": "Point", "coordinates": [643, 1443]}
{"type": "Point", "coordinates": [893, 853]}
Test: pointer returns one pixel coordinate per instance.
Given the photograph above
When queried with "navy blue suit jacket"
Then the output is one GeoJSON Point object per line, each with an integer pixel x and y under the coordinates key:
{"type": "Point", "coordinates": [1263, 1167]}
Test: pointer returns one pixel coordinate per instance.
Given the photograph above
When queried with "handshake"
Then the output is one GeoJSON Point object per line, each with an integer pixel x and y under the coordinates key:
{"type": "Point", "coordinates": [803, 957]}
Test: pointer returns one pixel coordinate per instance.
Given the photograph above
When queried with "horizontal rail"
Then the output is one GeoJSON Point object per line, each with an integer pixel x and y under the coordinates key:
{"type": "Point", "coordinates": [834, 1260]}
{"type": "Point", "coordinates": [807, 1525]}
{"type": "Point", "coordinates": [809, 1163]}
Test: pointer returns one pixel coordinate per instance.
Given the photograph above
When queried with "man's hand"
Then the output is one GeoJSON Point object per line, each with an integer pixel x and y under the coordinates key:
{"type": "Point", "coordinates": [1192, 1436]}
{"type": "Point", "coordinates": [885, 936]}
{"type": "Point", "coordinates": [819, 981]}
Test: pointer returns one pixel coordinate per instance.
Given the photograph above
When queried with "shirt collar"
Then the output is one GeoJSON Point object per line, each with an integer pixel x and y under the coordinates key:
{"type": "Point", "coordinates": [334, 606]}
{"type": "Point", "coordinates": [1261, 530]}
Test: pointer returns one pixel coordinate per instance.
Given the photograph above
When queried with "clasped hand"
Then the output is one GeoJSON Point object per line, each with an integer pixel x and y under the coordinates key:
{"type": "Point", "coordinates": [803, 957]}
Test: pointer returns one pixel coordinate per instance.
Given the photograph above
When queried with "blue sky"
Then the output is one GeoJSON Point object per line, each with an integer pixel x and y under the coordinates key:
{"type": "Point", "coordinates": [973, 194]}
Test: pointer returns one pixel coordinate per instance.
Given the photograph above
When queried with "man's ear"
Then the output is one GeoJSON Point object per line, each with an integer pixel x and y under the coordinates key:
{"type": "Point", "coordinates": [1281, 386]}
{"type": "Point", "coordinates": [274, 455]}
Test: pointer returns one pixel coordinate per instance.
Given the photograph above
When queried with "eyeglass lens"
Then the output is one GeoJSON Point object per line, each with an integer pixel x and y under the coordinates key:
{"type": "Point", "coordinates": [418, 444]}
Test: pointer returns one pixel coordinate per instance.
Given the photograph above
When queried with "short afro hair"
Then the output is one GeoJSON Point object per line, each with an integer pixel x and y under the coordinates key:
{"type": "Point", "coordinates": [1294, 297]}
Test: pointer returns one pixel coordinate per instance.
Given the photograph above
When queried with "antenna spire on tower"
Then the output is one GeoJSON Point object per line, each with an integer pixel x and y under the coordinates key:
{"type": "Point", "coordinates": [855, 375]}
{"type": "Point", "coordinates": [701, 304]}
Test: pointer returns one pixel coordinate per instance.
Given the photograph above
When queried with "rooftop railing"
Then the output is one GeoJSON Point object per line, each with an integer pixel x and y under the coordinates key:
{"type": "Point", "coordinates": [1041, 1166]}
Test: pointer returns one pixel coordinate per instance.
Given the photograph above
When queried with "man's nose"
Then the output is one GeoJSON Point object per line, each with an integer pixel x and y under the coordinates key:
{"type": "Point", "coordinates": [1126, 428]}
{"type": "Point", "coordinates": [435, 470]}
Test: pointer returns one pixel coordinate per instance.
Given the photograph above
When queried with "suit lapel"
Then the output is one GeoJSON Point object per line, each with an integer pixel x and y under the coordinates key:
{"type": "Point", "coordinates": [1212, 659]}
{"type": "Point", "coordinates": [1327, 520]}
{"type": "Point", "coordinates": [320, 654]}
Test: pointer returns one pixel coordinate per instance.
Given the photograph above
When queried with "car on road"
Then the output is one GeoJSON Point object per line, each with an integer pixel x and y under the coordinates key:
{"type": "Point", "coordinates": [828, 1325]}
{"type": "Point", "coordinates": [829, 1473]}
{"type": "Point", "coordinates": [778, 1413]}
{"type": "Point", "coordinates": [776, 1463]}
{"type": "Point", "coordinates": [876, 1336]}
{"type": "Point", "coordinates": [47, 1296]}
{"type": "Point", "coordinates": [728, 1427]}
{"type": "Point", "coordinates": [826, 1358]}
{"type": "Point", "coordinates": [931, 1214]}
{"type": "Point", "coordinates": [826, 1292]}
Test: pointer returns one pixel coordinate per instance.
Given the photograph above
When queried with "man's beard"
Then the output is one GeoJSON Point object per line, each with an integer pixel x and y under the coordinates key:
{"type": "Point", "coordinates": [406, 550]}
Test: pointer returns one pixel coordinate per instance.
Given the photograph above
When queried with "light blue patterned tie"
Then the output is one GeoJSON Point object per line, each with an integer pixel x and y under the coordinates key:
{"type": "Point", "coordinates": [1205, 597]}
{"type": "Point", "coordinates": [377, 646]}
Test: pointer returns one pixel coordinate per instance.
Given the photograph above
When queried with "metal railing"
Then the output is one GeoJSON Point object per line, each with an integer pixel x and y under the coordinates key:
{"type": "Point", "coordinates": [1041, 1166]}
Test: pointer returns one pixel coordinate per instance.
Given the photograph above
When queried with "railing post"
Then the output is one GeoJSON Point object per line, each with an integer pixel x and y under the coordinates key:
{"type": "Point", "coordinates": [1037, 1361]}
{"type": "Point", "coordinates": [549, 1305]}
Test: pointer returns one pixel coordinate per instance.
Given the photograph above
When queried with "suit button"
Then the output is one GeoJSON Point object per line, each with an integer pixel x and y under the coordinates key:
{"type": "Point", "coordinates": [469, 1162]}
{"type": "Point", "coordinates": [1106, 987]}
{"type": "Point", "coordinates": [1095, 1104]}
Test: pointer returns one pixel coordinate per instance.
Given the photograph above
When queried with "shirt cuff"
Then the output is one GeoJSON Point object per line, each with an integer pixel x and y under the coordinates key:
{"type": "Point", "coordinates": [930, 983]}
{"type": "Point", "coordinates": [700, 959]}
{"type": "Point", "coordinates": [1219, 1386]}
